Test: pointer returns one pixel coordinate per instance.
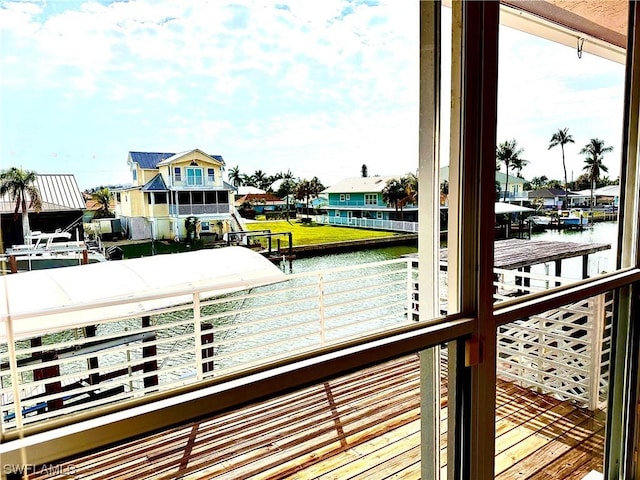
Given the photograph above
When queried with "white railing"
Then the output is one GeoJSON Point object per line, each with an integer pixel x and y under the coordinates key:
{"type": "Point", "coordinates": [394, 225]}
{"type": "Point", "coordinates": [564, 352]}
{"type": "Point", "coordinates": [122, 358]}
{"type": "Point", "coordinates": [560, 352]}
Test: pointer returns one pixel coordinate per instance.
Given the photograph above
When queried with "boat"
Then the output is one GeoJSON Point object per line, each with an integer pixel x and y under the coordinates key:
{"type": "Point", "coordinates": [576, 217]}
{"type": "Point", "coordinates": [50, 250]}
{"type": "Point", "coordinates": [539, 220]}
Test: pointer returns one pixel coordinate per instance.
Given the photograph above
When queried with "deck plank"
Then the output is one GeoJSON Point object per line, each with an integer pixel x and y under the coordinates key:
{"type": "Point", "coordinates": [361, 426]}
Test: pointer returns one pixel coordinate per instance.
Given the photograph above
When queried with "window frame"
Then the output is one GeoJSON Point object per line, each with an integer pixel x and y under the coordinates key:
{"type": "Point", "coordinates": [370, 198]}
{"type": "Point", "coordinates": [471, 406]}
{"type": "Point", "coordinates": [192, 175]}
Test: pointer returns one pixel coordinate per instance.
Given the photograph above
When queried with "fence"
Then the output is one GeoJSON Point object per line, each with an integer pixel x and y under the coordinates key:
{"type": "Point", "coordinates": [393, 225]}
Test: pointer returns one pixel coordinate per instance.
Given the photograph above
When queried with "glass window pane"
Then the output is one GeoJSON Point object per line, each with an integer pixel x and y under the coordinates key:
{"type": "Point", "coordinates": [553, 380]}
{"type": "Point", "coordinates": [557, 164]}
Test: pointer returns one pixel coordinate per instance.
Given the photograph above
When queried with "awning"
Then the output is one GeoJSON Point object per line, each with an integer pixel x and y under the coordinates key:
{"type": "Point", "coordinates": [599, 28]}
{"type": "Point", "coordinates": [100, 291]}
{"type": "Point", "coordinates": [502, 207]}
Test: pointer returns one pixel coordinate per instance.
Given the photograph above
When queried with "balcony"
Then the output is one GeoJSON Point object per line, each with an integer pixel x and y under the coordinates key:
{"type": "Point", "coordinates": [357, 203]}
{"type": "Point", "coordinates": [195, 209]}
{"type": "Point", "coordinates": [550, 390]}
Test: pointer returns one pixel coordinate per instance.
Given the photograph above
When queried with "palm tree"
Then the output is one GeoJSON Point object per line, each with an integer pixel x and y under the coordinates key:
{"type": "Point", "coordinates": [287, 187]}
{"type": "Point", "coordinates": [518, 164]}
{"type": "Point", "coordinates": [508, 154]}
{"type": "Point", "coordinates": [284, 175]}
{"type": "Point", "coordinates": [302, 192]}
{"type": "Point", "coordinates": [594, 151]}
{"type": "Point", "coordinates": [562, 137]}
{"type": "Point", "coordinates": [393, 193]}
{"type": "Point", "coordinates": [235, 177]}
{"type": "Point", "coordinates": [103, 198]}
{"type": "Point", "coordinates": [364, 170]}
{"type": "Point", "coordinates": [19, 185]}
{"type": "Point", "coordinates": [539, 182]}
{"type": "Point", "coordinates": [260, 179]}
{"type": "Point", "coordinates": [410, 183]}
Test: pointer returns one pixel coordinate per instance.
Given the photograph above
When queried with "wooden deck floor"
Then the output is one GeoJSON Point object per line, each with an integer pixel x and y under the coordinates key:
{"type": "Point", "coordinates": [364, 426]}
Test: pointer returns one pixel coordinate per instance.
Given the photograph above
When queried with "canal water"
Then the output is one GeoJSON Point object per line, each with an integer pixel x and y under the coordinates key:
{"type": "Point", "coordinates": [603, 232]}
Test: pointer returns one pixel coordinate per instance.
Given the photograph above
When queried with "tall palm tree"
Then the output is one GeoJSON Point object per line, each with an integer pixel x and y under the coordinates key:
{"type": "Point", "coordinates": [594, 151]}
{"type": "Point", "coordinates": [508, 154]}
{"type": "Point", "coordinates": [562, 137]}
{"type": "Point", "coordinates": [364, 170]}
{"type": "Point", "coordinates": [235, 177]}
{"type": "Point", "coordinates": [19, 185]}
{"type": "Point", "coordinates": [393, 193]}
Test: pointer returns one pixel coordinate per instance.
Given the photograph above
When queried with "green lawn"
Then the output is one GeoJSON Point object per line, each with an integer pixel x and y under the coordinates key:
{"type": "Point", "coordinates": [310, 234]}
{"type": "Point", "coordinates": [302, 234]}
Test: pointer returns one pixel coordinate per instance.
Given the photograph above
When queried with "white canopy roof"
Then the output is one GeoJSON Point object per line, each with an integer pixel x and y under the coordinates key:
{"type": "Point", "coordinates": [44, 301]}
{"type": "Point", "coordinates": [502, 207]}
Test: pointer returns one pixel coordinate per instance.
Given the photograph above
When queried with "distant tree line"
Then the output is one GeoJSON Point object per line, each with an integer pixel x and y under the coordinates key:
{"type": "Point", "coordinates": [302, 189]}
{"type": "Point", "coordinates": [509, 155]}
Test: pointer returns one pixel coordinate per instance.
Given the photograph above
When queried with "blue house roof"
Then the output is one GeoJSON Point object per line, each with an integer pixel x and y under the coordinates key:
{"type": "Point", "coordinates": [156, 184]}
{"type": "Point", "coordinates": [150, 160]}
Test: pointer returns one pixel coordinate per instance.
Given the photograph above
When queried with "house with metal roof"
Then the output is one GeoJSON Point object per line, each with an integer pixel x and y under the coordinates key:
{"type": "Point", "coordinates": [62, 208]}
{"type": "Point", "coordinates": [168, 188]}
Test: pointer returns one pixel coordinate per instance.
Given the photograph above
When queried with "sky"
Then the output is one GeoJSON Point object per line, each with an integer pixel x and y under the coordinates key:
{"type": "Point", "coordinates": [315, 87]}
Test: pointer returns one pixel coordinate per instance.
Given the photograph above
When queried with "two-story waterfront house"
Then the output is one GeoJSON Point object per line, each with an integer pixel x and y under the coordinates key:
{"type": "Point", "coordinates": [168, 188]}
{"type": "Point", "coordinates": [354, 200]}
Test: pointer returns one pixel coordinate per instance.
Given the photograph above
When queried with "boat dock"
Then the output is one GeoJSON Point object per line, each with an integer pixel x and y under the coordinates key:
{"type": "Point", "coordinates": [517, 254]}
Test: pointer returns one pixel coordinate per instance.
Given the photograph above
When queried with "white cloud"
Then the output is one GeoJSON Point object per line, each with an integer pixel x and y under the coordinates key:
{"type": "Point", "coordinates": [319, 87]}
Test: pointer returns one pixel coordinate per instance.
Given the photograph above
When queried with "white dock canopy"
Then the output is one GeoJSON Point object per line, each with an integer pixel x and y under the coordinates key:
{"type": "Point", "coordinates": [502, 207]}
{"type": "Point", "coordinates": [45, 301]}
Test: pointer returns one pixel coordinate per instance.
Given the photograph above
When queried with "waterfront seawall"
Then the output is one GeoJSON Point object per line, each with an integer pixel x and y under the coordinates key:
{"type": "Point", "coordinates": [350, 245]}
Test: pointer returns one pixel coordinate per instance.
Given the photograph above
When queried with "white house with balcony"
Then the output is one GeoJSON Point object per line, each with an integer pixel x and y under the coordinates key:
{"type": "Point", "coordinates": [170, 187]}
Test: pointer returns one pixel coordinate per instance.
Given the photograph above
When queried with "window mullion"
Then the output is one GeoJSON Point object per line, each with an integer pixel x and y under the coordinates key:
{"type": "Point", "coordinates": [429, 233]}
{"type": "Point", "coordinates": [479, 112]}
{"type": "Point", "coordinates": [622, 418]}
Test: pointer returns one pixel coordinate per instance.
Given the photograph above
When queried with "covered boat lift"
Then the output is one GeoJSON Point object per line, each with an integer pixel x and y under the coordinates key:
{"type": "Point", "coordinates": [86, 294]}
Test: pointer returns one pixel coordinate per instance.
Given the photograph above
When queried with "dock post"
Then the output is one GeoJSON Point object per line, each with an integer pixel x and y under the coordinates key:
{"type": "Point", "coordinates": [147, 352]}
{"type": "Point", "coordinates": [527, 279]}
{"type": "Point", "coordinates": [585, 266]}
{"type": "Point", "coordinates": [13, 264]}
{"type": "Point", "coordinates": [94, 378]}
{"type": "Point", "coordinates": [207, 339]}
{"type": "Point", "coordinates": [558, 271]}
{"type": "Point", "coordinates": [52, 371]}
